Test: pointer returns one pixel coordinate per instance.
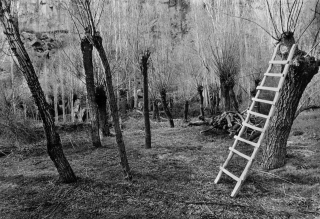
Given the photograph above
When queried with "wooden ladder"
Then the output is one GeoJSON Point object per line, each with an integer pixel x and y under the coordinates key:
{"type": "Point", "coordinates": [250, 112]}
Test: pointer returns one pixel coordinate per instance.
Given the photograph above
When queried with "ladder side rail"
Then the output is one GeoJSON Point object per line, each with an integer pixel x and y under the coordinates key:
{"type": "Point", "coordinates": [277, 95]}
{"type": "Point", "coordinates": [243, 176]}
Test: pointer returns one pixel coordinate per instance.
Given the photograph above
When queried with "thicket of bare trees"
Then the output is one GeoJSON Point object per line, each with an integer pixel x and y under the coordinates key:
{"type": "Point", "coordinates": [211, 53]}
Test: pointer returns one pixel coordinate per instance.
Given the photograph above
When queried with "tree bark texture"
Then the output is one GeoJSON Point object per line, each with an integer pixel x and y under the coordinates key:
{"type": "Point", "coordinates": [163, 94]}
{"type": "Point", "coordinates": [299, 75]}
{"type": "Point", "coordinates": [225, 93]}
{"type": "Point", "coordinates": [101, 99]}
{"type": "Point", "coordinates": [253, 93]}
{"type": "Point", "coordinates": [234, 99]}
{"type": "Point", "coordinates": [113, 106]}
{"type": "Point", "coordinates": [144, 70]}
{"type": "Point", "coordinates": [86, 49]}
{"type": "Point", "coordinates": [200, 92]}
{"type": "Point", "coordinates": [54, 146]}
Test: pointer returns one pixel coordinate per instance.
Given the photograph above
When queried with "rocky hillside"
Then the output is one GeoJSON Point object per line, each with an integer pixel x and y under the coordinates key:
{"type": "Point", "coordinates": [43, 15]}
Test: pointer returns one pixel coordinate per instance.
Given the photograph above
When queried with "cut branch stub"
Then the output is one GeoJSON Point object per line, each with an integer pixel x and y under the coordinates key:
{"type": "Point", "coordinates": [144, 60]}
{"type": "Point", "coordinates": [286, 42]}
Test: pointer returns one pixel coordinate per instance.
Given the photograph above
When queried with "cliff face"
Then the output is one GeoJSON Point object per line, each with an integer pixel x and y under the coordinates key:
{"type": "Point", "coordinates": [43, 15]}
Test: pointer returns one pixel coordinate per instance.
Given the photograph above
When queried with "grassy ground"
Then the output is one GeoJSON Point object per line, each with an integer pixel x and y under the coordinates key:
{"type": "Point", "coordinates": [174, 179]}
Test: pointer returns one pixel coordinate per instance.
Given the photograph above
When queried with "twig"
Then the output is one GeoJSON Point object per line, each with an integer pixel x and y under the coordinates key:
{"type": "Point", "coordinates": [312, 49]}
{"type": "Point", "coordinates": [207, 130]}
{"type": "Point", "coordinates": [216, 203]}
{"type": "Point", "coordinates": [71, 142]}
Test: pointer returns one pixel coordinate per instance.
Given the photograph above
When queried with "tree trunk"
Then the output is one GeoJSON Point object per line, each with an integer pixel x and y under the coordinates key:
{"type": "Point", "coordinates": [186, 110]}
{"type": "Point", "coordinates": [163, 94]}
{"type": "Point", "coordinates": [62, 89]}
{"type": "Point", "coordinates": [54, 146]}
{"type": "Point", "coordinates": [86, 49]}
{"type": "Point", "coordinates": [55, 102]}
{"type": "Point", "coordinates": [299, 75]}
{"type": "Point", "coordinates": [45, 75]}
{"type": "Point", "coordinates": [13, 101]}
{"type": "Point", "coordinates": [135, 94]}
{"type": "Point", "coordinates": [254, 91]}
{"type": "Point", "coordinates": [156, 115]}
{"type": "Point", "coordinates": [234, 100]}
{"type": "Point", "coordinates": [144, 69]}
{"type": "Point", "coordinates": [200, 92]}
{"type": "Point", "coordinates": [101, 99]}
{"type": "Point", "coordinates": [113, 106]}
{"type": "Point", "coordinates": [225, 93]}
{"type": "Point", "coordinates": [171, 104]}
{"type": "Point", "coordinates": [217, 103]}
{"type": "Point", "coordinates": [71, 101]}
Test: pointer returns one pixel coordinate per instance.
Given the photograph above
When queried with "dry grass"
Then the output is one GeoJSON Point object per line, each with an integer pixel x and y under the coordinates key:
{"type": "Point", "coordinates": [174, 179]}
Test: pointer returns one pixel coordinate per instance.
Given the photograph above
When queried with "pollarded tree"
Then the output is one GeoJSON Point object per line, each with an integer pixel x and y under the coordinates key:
{"type": "Point", "coordinates": [186, 90]}
{"type": "Point", "coordinates": [89, 22]}
{"type": "Point", "coordinates": [144, 70]}
{"type": "Point", "coordinates": [87, 48]}
{"type": "Point", "coordinates": [300, 73]}
{"type": "Point", "coordinates": [162, 80]}
{"type": "Point", "coordinates": [154, 99]}
{"type": "Point", "coordinates": [9, 22]}
{"type": "Point", "coordinates": [191, 80]}
{"type": "Point", "coordinates": [226, 63]}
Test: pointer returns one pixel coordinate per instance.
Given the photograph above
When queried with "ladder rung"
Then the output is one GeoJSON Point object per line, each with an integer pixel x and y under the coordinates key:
{"type": "Point", "coordinates": [252, 127]}
{"type": "Point", "coordinates": [258, 114]}
{"type": "Point", "coordinates": [274, 74]}
{"type": "Point", "coordinates": [239, 153]}
{"type": "Point", "coordinates": [268, 88]}
{"type": "Point", "coordinates": [229, 174]}
{"type": "Point", "coordinates": [246, 141]}
{"type": "Point", "coordinates": [279, 62]}
{"type": "Point", "coordinates": [263, 101]}
{"type": "Point", "coordinates": [232, 149]}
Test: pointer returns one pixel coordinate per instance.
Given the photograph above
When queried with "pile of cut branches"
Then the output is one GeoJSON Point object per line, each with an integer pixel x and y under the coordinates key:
{"type": "Point", "coordinates": [231, 122]}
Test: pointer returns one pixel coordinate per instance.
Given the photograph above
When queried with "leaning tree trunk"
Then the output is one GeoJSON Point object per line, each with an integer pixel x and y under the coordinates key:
{"type": "Point", "coordinates": [186, 110]}
{"type": "Point", "coordinates": [101, 99]}
{"type": "Point", "coordinates": [200, 92]}
{"type": "Point", "coordinates": [86, 49]}
{"type": "Point", "coordinates": [54, 147]}
{"type": "Point", "coordinates": [144, 69]}
{"type": "Point", "coordinates": [56, 102]}
{"type": "Point", "coordinates": [113, 106]}
{"type": "Point", "coordinates": [155, 114]}
{"type": "Point", "coordinates": [163, 94]}
{"type": "Point", "coordinates": [299, 75]}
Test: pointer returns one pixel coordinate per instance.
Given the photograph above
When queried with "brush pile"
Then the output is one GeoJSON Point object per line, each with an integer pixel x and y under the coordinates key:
{"type": "Point", "coordinates": [231, 122]}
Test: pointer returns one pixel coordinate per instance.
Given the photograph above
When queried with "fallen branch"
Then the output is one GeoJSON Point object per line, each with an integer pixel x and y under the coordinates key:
{"type": "Point", "coordinates": [215, 203]}
{"type": "Point", "coordinates": [198, 123]}
{"type": "Point", "coordinates": [231, 122]}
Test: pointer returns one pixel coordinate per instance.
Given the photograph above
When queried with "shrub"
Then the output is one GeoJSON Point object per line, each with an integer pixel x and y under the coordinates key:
{"type": "Point", "coordinates": [16, 130]}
